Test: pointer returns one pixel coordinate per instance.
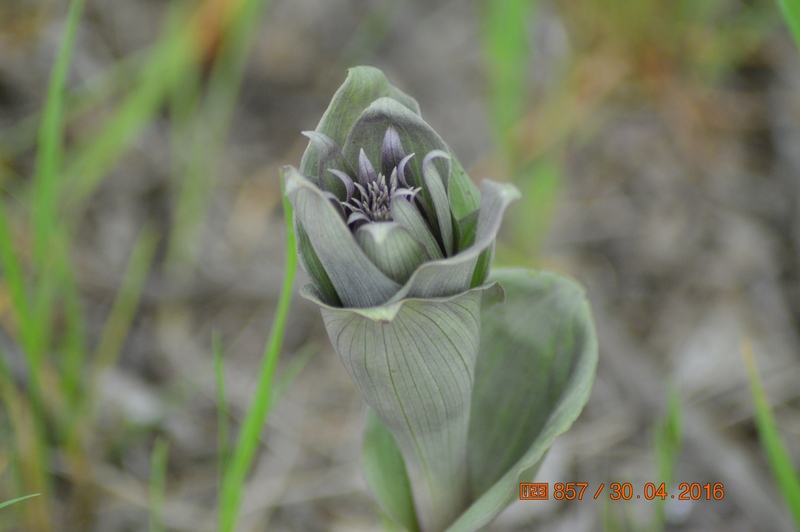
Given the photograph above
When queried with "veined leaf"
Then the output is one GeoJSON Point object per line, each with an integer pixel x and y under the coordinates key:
{"type": "Point", "coordinates": [533, 375]}
{"type": "Point", "coordinates": [413, 362]}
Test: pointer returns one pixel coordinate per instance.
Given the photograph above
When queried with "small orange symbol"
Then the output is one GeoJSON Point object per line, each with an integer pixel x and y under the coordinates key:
{"type": "Point", "coordinates": [533, 492]}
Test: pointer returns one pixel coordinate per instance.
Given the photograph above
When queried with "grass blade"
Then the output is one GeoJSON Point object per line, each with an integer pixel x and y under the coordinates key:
{"type": "Point", "coordinates": [790, 9]}
{"type": "Point", "coordinates": [45, 193]}
{"type": "Point", "coordinates": [166, 66]}
{"type": "Point", "coordinates": [293, 369]}
{"type": "Point", "coordinates": [249, 436]}
{"type": "Point", "coordinates": [505, 42]}
{"type": "Point", "coordinates": [18, 499]}
{"type": "Point", "coordinates": [232, 24]}
{"type": "Point", "coordinates": [780, 461]}
{"type": "Point", "coordinates": [51, 136]}
{"type": "Point", "coordinates": [223, 413]}
{"type": "Point", "coordinates": [668, 439]}
{"type": "Point", "coordinates": [116, 328]}
{"type": "Point", "coordinates": [127, 300]}
{"type": "Point", "coordinates": [158, 481]}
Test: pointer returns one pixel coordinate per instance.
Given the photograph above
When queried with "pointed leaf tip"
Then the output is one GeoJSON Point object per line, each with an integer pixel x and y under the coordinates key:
{"type": "Point", "coordinates": [366, 172]}
{"type": "Point", "coordinates": [435, 192]}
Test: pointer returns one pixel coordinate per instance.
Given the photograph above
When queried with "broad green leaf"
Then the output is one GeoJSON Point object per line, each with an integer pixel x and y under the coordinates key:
{"type": "Point", "coordinates": [534, 373]}
{"type": "Point", "coordinates": [357, 281]}
{"type": "Point", "coordinates": [413, 363]}
{"type": "Point", "coordinates": [415, 134]}
{"type": "Point", "coordinates": [385, 473]}
{"type": "Point", "coordinates": [391, 248]}
{"type": "Point", "coordinates": [453, 275]}
{"type": "Point", "coordinates": [363, 86]}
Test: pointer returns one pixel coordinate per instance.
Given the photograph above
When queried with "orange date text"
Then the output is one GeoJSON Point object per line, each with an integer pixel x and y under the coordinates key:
{"type": "Point", "coordinates": [620, 491]}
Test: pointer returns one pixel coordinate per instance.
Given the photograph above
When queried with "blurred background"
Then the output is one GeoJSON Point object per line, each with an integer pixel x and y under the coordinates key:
{"type": "Point", "coordinates": [657, 146]}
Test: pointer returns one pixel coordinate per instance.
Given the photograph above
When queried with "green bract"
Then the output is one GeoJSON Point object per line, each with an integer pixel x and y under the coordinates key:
{"type": "Point", "coordinates": [398, 242]}
{"type": "Point", "coordinates": [383, 211]}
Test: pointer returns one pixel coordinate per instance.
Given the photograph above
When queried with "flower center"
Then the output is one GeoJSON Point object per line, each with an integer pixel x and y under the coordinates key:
{"type": "Point", "coordinates": [375, 202]}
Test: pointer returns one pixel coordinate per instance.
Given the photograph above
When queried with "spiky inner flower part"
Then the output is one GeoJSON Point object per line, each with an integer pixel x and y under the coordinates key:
{"type": "Point", "coordinates": [370, 198]}
{"type": "Point", "coordinates": [366, 194]}
{"type": "Point", "coordinates": [375, 201]}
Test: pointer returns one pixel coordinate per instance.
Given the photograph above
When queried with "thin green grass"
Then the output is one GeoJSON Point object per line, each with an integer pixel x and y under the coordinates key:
{"type": "Point", "coordinates": [158, 483]}
{"type": "Point", "coordinates": [249, 435]}
{"type": "Point", "coordinates": [293, 370]}
{"type": "Point", "coordinates": [46, 186]}
{"type": "Point", "coordinates": [210, 119]}
{"type": "Point", "coordinates": [60, 391]}
{"type": "Point", "coordinates": [33, 313]}
{"type": "Point", "coordinates": [223, 413]}
{"type": "Point", "coordinates": [667, 445]}
{"type": "Point", "coordinates": [50, 252]}
{"type": "Point", "coordinates": [127, 300]}
{"type": "Point", "coordinates": [18, 499]}
{"type": "Point", "coordinates": [506, 42]}
{"type": "Point", "coordinates": [111, 82]}
{"type": "Point", "coordinates": [506, 47]}
{"type": "Point", "coordinates": [790, 9]}
{"type": "Point", "coordinates": [167, 65]}
{"type": "Point", "coordinates": [779, 459]}
{"type": "Point", "coordinates": [115, 330]}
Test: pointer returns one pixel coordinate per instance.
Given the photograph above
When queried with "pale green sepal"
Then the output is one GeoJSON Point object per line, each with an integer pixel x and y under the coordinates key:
{"type": "Point", "coordinates": [330, 156]}
{"type": "Point", "coordinates": [357, 281]}
{"type": "Point", "coordinates": [464, 195]}
{"type": "Point", "coordinates": [407, 215]}
{"type": "Point", "coordinates": [415, 134]}
{"type": "Point", "coordinates": [482, 267]}
{"type": "Point", "coordinates": [534, 374]}
{"type": "Point", "coordinates": [454, 275]}
{"type": "Point", "coordinates": [313, 267]}
{"type": "Point", "coordinates": [436, 190]}
{"type": "Point", "coordinates": [391, 248]}
{"type": "Point", "coordinates": [415, 369]}
{"type": "Point", "coordinates": [385, 473]}
{"type": "Point", "coordinates": [363, 86]}
{"type": "Point", "coordinates": [467, 227]}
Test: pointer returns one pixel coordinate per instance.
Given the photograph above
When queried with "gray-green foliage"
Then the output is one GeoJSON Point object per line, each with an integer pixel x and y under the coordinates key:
{"type": "Point", "coordinates": [465, 392]}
